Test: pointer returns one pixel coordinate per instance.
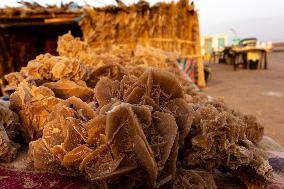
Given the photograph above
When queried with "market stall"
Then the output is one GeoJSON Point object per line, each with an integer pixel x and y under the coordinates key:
{"type": "Point", "coordinates": [33, 29]}
{"type": "Point", "coordinates": [250, 57]}
{"type": "Point", "coordinates": [248, 54]}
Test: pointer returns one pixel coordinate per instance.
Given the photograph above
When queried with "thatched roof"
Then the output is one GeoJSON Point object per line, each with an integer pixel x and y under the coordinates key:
{"type": "Point", "coordinates": [36, 10]}
{"type": "Point", "coordinates": [168, 26]}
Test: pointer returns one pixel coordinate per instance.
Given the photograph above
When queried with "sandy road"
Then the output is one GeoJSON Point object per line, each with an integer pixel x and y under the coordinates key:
{"type": "Point", "coordinates": [257, 92]}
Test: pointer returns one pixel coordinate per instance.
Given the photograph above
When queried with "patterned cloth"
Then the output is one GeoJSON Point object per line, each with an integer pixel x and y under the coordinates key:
{"type": "Point", "coordinates": [15, 178]}
{"type": "Point", "coordinates": [189, 67]}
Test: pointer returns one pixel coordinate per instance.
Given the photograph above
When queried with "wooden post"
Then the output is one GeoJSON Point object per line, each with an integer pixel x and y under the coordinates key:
{"type": "Point", "coordinates": [197, 50]}
{"type": "Point", "coordinates": [265, 61]}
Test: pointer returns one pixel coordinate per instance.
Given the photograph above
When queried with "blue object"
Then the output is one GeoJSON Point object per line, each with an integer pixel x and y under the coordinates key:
{"type": "Point", "coordinates": [77, 19]}
{"type": "Point", "coordinates": [5, 98]}
{"type": "Point", "coordinates": [73, 6]}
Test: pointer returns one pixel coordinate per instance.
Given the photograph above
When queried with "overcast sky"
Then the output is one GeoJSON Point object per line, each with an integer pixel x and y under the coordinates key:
{"type": "Point", "coordinates": [263, 19]}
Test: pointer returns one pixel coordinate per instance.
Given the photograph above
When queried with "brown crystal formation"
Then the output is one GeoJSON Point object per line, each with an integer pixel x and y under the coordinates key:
{"type": "Point", "coordinates": [194, 179]}
{"type": "Point", "coordinates": [121, 121]}
{"type": "Point", "coordinates": [13, 79]}
{"type": "Point", "coordinates": [133, 128]}
{"type": "Point", "coordinates": [8, 131]}
{"type": "Point", "coordinates": [220, 138]}
{"type": "Point", "coordinates": [48, 67]}
{"type": "Point", "coordinates": [65, 89]}
{"type": "Point", "coordinates": [137, 128]}
{"type": "Point", "coordinates": [33, 105]}
{"type": "Point", "coordinates": [75, 48]}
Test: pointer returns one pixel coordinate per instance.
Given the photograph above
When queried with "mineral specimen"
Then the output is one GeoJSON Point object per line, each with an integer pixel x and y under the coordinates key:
{"type": "Point", "coordinates": [125, 118]}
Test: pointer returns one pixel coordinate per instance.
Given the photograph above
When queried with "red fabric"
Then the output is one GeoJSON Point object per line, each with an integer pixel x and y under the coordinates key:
{"type": "Point", "coordinates": [22, 179]}
{"type": "Point", "coordinates": [12, 178]}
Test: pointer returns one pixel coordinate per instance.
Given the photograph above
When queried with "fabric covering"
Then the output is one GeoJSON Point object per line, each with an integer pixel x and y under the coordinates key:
{"type": "Point", "coordinates": [22, 178]}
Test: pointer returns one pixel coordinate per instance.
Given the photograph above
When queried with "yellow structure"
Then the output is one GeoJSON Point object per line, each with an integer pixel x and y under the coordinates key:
{"type": "Point", "coordinates": [172, 27]}
{"type": "Point", "coordinates": [213, 43]}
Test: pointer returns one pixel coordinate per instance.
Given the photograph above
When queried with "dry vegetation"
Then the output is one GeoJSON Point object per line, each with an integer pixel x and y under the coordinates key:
{"type": "Point", "coordinates": [172, 27]}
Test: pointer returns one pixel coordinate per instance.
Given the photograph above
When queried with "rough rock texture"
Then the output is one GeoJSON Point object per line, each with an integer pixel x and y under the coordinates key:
{"type": "Point", "coordinates": [55, 68]}
{"type": "Point", "coordinates": [218, 139]}
{"type": "Point", "coordinates": [194, 179]}
{"type": "Point", "coordinates": [75, 48]}
{"type": "Point", "coordinates": [126, 132]}
{"type": "Point", "coordinates": [99, 116]}
{"type": "Point", "coordinates": [65, 89]}
{"type": "Point", "coordinates": [33, 105]}
{"type": "Point", "coordinates": [8, 132]}
{"type": "Point", "coordinates": [13, 79]}
{"type": "Point", "coordinates": [138, 127]}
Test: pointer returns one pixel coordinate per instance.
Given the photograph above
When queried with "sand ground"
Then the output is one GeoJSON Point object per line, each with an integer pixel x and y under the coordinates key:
{"type": "Point", "coordinates": [256, 92]}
